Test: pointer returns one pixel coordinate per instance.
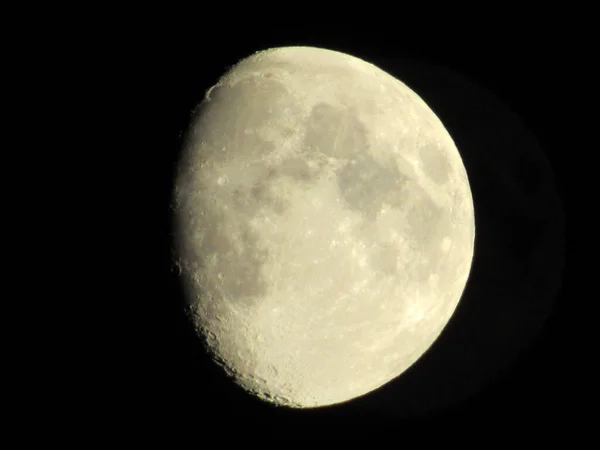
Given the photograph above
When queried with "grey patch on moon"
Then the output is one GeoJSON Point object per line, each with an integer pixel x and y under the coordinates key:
{"type": "Point", "coordinates": [226, 259]}
{"type": "Point", "coordinates": [335, 133]}
{"type": "Point", "coordinates": [261, 196]}
{"type": "Point", "coordinates": [423, 229]}
{"type": "Point", "coordinates": [385, 260]}
{"type": "Point", "coordinates": [364, 183]}
{"type": "Point", "coordinates": [259, 192]}
{"type": "Point", "coordinates": [298, 170]}
{"type": "Point", "coordinates": [435, 163]}
{"type": "Point", "coordinates": [423, 219]}
{"type": "Point", "coordinates": [365, 186]}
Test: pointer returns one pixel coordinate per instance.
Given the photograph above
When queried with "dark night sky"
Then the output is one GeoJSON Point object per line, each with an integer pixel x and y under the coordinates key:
{"type": "Point", "coordinates": [488, 365]}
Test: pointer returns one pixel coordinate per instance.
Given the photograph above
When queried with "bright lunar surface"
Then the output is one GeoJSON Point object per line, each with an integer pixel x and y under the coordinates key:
{"type": "Point", "coordinates": [324, 225]}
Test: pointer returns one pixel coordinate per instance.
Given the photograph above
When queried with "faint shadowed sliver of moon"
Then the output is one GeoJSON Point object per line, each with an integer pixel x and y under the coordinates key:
{"type": "Point", "coordinates": [519, 252]}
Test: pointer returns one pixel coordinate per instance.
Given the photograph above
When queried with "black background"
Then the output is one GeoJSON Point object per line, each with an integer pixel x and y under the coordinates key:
{"type": "Point", "coordinates": [158, 372]}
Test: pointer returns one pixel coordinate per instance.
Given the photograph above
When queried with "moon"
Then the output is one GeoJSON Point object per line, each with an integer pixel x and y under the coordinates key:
{"type": "Point", "coordinates": [324, 226]}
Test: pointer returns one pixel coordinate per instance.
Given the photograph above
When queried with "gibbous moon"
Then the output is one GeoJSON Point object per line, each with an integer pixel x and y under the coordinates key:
{"type": "Point", "coordinates": [324, 225]}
